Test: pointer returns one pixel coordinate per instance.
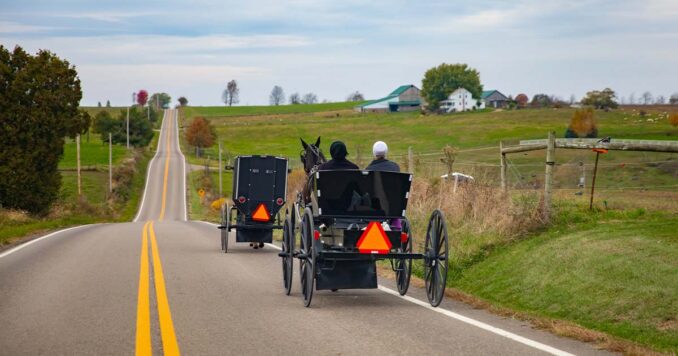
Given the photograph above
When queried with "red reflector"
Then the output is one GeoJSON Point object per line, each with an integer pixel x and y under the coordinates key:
{"type": "Point", "coordinates": [242, 200]}
{"type": "Point", "coordinates": [374, 240]}
{"type": "Point", "coordinates": [316, 234]}
{"type": "Point", "coordinates": [279, 201]}
{"type": "Point", "coordinates": [261, 214]}
{"type": "Point", "coordinates": [403, 237]}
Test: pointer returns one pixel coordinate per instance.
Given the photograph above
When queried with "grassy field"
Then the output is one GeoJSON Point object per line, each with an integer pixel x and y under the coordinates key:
{"type": "Point", "coordinates": [585, 267]}
{"type": "Point", "coordinates": [93, 154]}
{"type": "Point", "coordinates": [220, 111]}
{"type": "Point", "coordinates": [615, 272]}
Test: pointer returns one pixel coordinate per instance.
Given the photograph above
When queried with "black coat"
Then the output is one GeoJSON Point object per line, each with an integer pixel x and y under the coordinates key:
{"type": "Point", "coordinates": [336, 165]}
{"type": "Point", "coordinates": [383, 165]}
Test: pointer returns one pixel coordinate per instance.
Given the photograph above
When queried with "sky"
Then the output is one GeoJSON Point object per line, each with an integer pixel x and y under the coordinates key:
{"type": "Point", "coordinates": [333, 48]}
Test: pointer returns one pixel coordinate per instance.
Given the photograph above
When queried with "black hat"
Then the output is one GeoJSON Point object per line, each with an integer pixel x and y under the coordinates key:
{"type": "Point", "coordinates": [338, 150]}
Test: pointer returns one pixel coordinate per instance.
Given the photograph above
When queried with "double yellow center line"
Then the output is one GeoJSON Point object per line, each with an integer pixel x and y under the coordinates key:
{"type": "Point", "coordinates": [143, 337]}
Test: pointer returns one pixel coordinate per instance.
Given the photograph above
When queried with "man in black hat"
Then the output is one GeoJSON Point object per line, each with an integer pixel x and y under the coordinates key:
{"type": "Point", "coordinates": [338, 161]}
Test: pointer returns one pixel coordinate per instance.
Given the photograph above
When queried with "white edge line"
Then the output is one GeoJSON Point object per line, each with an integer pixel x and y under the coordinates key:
{"type": "Point", "coordinates": [148, 173]}
{"type": "Point", "coordinates": [465, 319]}
{"type": "Point", "coordinates": [17, 248]}
{"type": "Point", "coordinates": [183, 161]}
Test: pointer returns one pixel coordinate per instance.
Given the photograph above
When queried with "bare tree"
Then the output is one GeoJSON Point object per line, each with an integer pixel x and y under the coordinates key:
{"type": "Point", "coordinates": [632, 98]}
{"type": "Point", "coordinates": [295, 98]}
{"type": "Point", "coordinates": [355, 96]}
{"type": "Point", "coordinates": [310, 98]}
{"type": "Point", "coordinates": [647, 98]}
{"type": "Point", "coordinates": [673, 100]}
{"type": "Point", "coordinates": [231, 94]}
{"type": "Point", "coordinates": [277, 96]}
{"type": "Point", "coordinates": [660, 99]}
{"type": "Point", "coordinates": [573, 99]}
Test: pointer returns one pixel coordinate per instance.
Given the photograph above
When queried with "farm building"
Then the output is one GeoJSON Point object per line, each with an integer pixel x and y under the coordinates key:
{"type": "Point", "coordinates": [404, 98]}
{"type": "Point", "coordinates": [461, 100]}
{"type": "Point", "coordinates": [494, 99]}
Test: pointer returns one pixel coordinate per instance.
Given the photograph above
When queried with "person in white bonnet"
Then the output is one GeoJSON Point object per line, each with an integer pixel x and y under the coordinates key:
{"type": "Point", "coordinates": [380, 163]}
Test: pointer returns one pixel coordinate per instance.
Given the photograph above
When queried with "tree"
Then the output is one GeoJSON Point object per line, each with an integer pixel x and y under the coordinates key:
{"type": "Point", "coordinates": [39, 97]}
{"type": "Point", "coordinates": [98, 104]}
{"type": "Point", "coordinates": [439, 82]}
{"type": "Point", "coordinates": [140, 129]}
{"type": "Point", "coordinates": [541, 101]}
{"type": "Point", "coordinates": [573, 99]}
{"type": "Point", "coordinates": [673, 100]}
{"type": "Point", "coordinates": [582, 124]}
{"type": "Point", "coordinates": [142, 97]}
{"type": "Point", "coordinates": [108, 103]}
{"type": "Point", "coordinates": [632, 98]}
{"type": "Point", "coordinates": [355, 96]}
{"type": "Point", "coordinates": [277, 96]}
{"type": "Point", "coordinates": [182, 101]}
{"type": "Point", "coordinates": [522, 100]}
{"type": "Point", "coordinates": [310, 98]}
{"type": "Point", "coordinates": [605, 99]}
{"type": "Point", "coordinates": [295, 98]}
{"type": "Point", "coordinates": [231, 94]}
{"type": "Point", "coordinates": [160, 100]}
{"type": "Point", "coordinates": [200, 134]}
{"type": "Point", "coordinates": [660, 100]}
{"type": "Point", "coordinates": [647, 98]}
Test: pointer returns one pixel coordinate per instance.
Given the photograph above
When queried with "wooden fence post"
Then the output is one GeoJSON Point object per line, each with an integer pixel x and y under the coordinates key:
{"type": "Point", "coordinates": [548, 179]}
{"type": "Point", "coordinates": [502, 165]}
{"type": "Point", "coordinates": [77, 154]}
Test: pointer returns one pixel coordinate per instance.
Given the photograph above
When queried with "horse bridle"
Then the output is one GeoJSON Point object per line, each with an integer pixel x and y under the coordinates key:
{"type": "Point", "coordinates": [316, 152]}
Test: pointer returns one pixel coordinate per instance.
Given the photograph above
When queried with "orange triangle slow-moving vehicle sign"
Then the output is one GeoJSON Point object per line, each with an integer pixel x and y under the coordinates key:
{"type": "Point", "coordinates": [261, 214]}
{"type": "Point", "coordinates": [374, 240]}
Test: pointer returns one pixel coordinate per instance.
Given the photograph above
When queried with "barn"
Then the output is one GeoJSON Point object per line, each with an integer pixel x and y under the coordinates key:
{"type": "Point", "coordinates": [494, 99]}
{"type": "Point", "coordinates": [404, 98]}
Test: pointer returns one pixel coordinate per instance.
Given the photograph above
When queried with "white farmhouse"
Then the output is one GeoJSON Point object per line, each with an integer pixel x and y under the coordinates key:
{"type": "Point", "coordinates": [461, 100]}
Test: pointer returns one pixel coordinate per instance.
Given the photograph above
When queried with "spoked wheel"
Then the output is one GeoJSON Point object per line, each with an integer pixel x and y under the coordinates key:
{"type": "Point", "coordinates": [225, 222]}
{"type": "Point", "coordinates": [307, 261]}
{"type": "Point", "coordinates": [288, 258]}
{"type": "Point", "coordinates": [404, 266]}
{"type": "Point", "coordinates": [436, 258]}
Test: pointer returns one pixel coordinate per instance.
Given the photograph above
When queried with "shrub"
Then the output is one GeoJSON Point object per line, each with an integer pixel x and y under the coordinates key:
{"type": "Point", "coordinates": [673, 119]}
{"type": "Point", "coordinates": [583, 124]}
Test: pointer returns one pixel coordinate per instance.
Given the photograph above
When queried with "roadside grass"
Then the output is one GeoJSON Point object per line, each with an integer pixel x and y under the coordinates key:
{"type": "Point", "coordinates": [611, 271]}
{"type": "Point", "coordinates": [93, 154]}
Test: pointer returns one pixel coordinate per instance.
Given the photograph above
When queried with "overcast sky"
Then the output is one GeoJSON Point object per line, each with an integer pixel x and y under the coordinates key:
{"type": "Point", "coordinates": [332, 48]}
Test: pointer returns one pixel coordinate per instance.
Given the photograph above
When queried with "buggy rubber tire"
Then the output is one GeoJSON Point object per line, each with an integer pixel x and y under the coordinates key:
{"type": "Point", "coordinates": [225, 222]}
{"type": "Point", "coordinates": [287, 260]}
{"type": "Point", "coordinates": [307, 263]}
{"type": "Point", "coordinates": [404, 266]}
{"type": "Point", "coordinates": [436, 259]}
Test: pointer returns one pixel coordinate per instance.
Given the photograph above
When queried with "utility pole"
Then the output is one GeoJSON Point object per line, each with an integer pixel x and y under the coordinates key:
{"type": "Point", "coordinates": [548, 179]}
{"type": "Point", "coordinates": [110, 164]}
{"type": "Point", "coordinates": [77, 158]}
{"type": "Point", "coordinates": [220, 169]}
{"type": "Point", "coordinates": [128, 127]}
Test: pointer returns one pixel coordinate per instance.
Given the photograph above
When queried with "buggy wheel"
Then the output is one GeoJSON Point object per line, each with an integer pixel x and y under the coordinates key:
{"type": "Point", "coordinates": [225, 222]}
{"type": "Point", "coordinates": [307, 262]}
{"type": "Point", "coordinates": [404, 265]}
{"type": "Point", "coordinates": [288, 259]}
{"type": "Point", "coordinates": [436, 258]}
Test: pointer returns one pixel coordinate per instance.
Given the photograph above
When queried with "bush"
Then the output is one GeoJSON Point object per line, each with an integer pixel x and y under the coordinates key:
{"type": "Point", "coordinates": [673, 119]}
{"type": "Point", "coordinates": [582, 124]}
{"type": "Point", "coordinates": [140, 129]}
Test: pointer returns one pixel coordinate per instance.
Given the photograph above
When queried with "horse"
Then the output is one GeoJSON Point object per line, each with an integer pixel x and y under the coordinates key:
{"type": "Point", "coordinates": [311, 157]}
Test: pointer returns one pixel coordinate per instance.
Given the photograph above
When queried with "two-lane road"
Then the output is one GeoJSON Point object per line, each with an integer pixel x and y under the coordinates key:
{"type": "Point", "coordinates": [160, 284]}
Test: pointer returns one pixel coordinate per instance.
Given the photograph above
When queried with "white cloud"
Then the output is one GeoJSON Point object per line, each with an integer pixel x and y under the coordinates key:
{"type": "Point", "coordinates": [105, 16]}
{"type": "Point", "coordinates": [18, 28]}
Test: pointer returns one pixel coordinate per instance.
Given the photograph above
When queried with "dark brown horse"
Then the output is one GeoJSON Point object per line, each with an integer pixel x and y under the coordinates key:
{"type": "Point", "coordinates": [311, 157]}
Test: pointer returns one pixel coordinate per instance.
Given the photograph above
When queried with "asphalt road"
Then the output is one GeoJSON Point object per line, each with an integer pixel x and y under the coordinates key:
{"type": "Point", "coordinates": [161, 284]}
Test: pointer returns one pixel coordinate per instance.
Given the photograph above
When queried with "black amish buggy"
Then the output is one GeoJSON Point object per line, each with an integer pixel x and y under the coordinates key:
{"type": "Point", "coordinates": [259, 191]}
{"type": "Point", "coordinates": [353, 219]}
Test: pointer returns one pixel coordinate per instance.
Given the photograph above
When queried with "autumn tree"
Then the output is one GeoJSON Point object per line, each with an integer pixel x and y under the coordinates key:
{"type": "Point", "coordinates": [355, 96]}
{"type": "Point", "coordinates": [200, 134]}
{"type": "Point", "coordinates": [541, 101]}
{"type": "Point", "coordinates": [277, 96]}
{"type": "Point", "coordinates": [231, 94]}
{"type": "Point", "coordinates": [601, 99]}
{"type": "Point", "coordinates": [582, 124]}
{"type": "Point", "coordinates": [39, 98]}
{"type": "Point", "coordinates": [142, 97]}
{"type": "Point", "coordinates": [522, 100]}
{"type": "Point", "coordinates": [182, 101]}
{"type": "Point", "coordinates": [439, 82]}
{"type": "Point", "coordinates": [295, 98]}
